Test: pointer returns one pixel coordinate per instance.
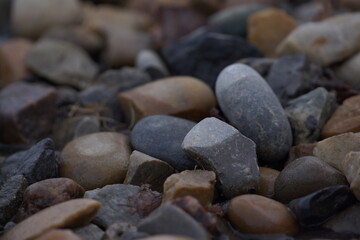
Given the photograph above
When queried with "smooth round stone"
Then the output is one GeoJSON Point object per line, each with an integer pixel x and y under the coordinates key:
{"type": "Point", "coordinates": [253, 108]}
{"type": "Point", "coordinates": [254, 214]}
{"type": "Point", "coordinates": [96, 160]}
{"type": "Point", "coordinates": [267, 181]}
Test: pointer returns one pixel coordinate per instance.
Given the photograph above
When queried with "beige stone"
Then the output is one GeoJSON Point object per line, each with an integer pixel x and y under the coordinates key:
{"type": "Point", "coordinates": [351, 169]}
{"type": "Point", "coordinates": [59, 235]}
{"type": "Point", "coordinates": [267, 28]}
{"type": "Point", "coordinates": [267, 181]}
{"type": "Point", "coordinates": [73, 213]}
{"type": "Point", "coordinates": [198, 184]}
{"type": "Point", "coordinates": [96, 160]}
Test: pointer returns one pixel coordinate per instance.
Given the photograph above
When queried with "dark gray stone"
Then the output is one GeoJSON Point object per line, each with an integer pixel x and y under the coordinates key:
{"type": "Point", "coordinates": [219, 147]}
{"type": "Point", "coordinates": [11, 196]}
{"type": "Point", "coordinates": [346, 221]}
{"type": "Point", "coordinates": [253, 108]}
{"type": "Point", "coordinates": [133, 236]}
{"type": "Point", "coordinates": [90, 232]}
{"type": "Point", "coordinates": [150, 62]}
{"type": "Point", "coordinates": [171, 220]}
{"type": "Point", "coordinates": [314, 209]}
{"type": "Point", "coordinates": [35, 164]}
{"type": "Point", "coordinates": [305, 176]}
{"type": "Point", "coordinates": [161, 137]}
{"type": "Point", "coordinates": [261, 65]}
{"type": "Point", "coordinates": [66, 96]}
{"type": "Point", "coordinates": [205, 54]}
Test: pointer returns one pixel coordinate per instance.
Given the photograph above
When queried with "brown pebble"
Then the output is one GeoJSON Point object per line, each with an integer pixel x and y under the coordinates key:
{"type": "Point", "coordinates": [351, 168]}
{"type": "Point", "coordinates": [301, 150]}
{"type": "Point", "coordinates": [59, 235]}
{"type": "Point", "coordinates": [267, 181]}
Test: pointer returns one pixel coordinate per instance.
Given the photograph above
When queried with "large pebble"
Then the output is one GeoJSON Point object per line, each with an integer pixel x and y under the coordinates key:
{"type": "Point", "coordinates": [161, 137]}
{"type": "Point", "coordinates": [27, 112]}
{"type": "Point", "coordinates": [350, 166]}
{"type": "Point", "coordinates": [346, 221]}
{"type": "Point", "coordinates": [255, 214]}
{"type": "Point", "coordinates": [259, 117]}
{"type": "Point", "coordinates": [73, 213]}
{"type": "Point", "coordinates": [304, 176]}
{"type": "Point", "coordinates": [96, 160]}
{"type": "Point", "coordinates": [219, 147]}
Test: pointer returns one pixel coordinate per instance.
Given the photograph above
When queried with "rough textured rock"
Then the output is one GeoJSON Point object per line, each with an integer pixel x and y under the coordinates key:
{"type": "Point", "coordinates": [11, 196]}
{"type": "Point", "coordinates": [267, 181]}
{"type": "Point", "coordinates": [90, 232]}
{"type": "Point", "coordinates": [27, 112]}
{"type": "Point", "coordinates": [332, 150]}
{"type": "Point", "coordinates": [161, 137]}
{"type": "Point", "coordinates": [304, 176]}
{"type": "Point", "coordinates": [259, 117]}
{"type": "Point", "coordinates": [150, 62]}
{"type": "Point", "coordinates": [166, 96]}
{"type": "Point", "coordinates": [219, 147]}
{"type": "Point", "coordinates": [144, 169]}
{"type": "Point", "coordinates": [31, 18]}
{"type": "Point", "coordinates": [199, 184]}
{"type": "Point", "coordinates": [96, 160]}
{"type": "Point", "coordinates": [255, 214]}
{"type": "Point", "coordinates": [169, 219]}
{"type": "Point", "coordinates": [204, 55]}
{"type": "Point", "coordinates": [350, 166]}
{"type": "Point", "coordinates": [61, 62]}
{"type": "Point", "coordinates": [314, 209]}
{"type": "Point", "coordinates": [73, 213]}
{"type": "Point", "coordinates": [59, 235]}
{"type": "Point", "coordinates": [267, 28]}
{"type": "Point", "coordinates": [346, 221]}
{"type": "Point", "coordinates": [326, 42]}
{"type": "Point", "coordinates": [47, 193]}
{"type": "Point", "coordinates": [345, 118]}
{"type": "Point", "coordinates": [35, 164]}
{"type": "Point", "coordinates": [308, 114]}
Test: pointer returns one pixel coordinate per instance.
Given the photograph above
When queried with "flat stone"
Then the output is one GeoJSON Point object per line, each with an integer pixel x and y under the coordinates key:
{"type": "Point", "coordinates": [161, 137]}
{"type": "Point", "coordinates": [350, 166]}
{"type": "Point", "coordinates": [32, 18]}
{"type": "Point", "coordinates": [301, 150]}
{"type": "Point", "coordinates": [346, 221]}
{"type": "Point", "coordinates": [73, 213]}
{"type": "Point", "coordinates": [165, 96]}
{"type": "Point", "coordinates": [61, 62]}
{"type": "Point", "coordinates": [204, 54]}
{"type": "Point", "coordinates": [96, 160]}
{"type": "Point", "coordinates": [150, 62]}
{"type": "Point", "coordinates": [255, 214]}
{"type": "Point", "coordinates": [47, 193]}
{"type": "Point", "coordinates": [12, 54]}
{"type": "Point", "coordinates": [259, 117]}
{"type": "Point", "coordinates": [261, 65]}
{"type": "Point", "coordinates": [314, 209]}
{"type": "Point", "coordinates": [321, 42]}
{"type": "Point", "coordinates": [267, 28]}
{"type": "Point", "coordinates": [345, 118]}
{"type": "Point", "coordinates": [90, 232]}
{"type": "Point", "coordinates": [171, 220]}
{"type": "Point", "coordinates": [38, 163]}
{"type": "Point", "coordinates": [219, 147]}
{"type": "Point", "coordinates": [58, 234]}
{"type": "Point", "coordinates": [267, 182]}
{"type": "Point", "coordinates": [11, 196]}
{"type": "Point", "coordinates": [27, 112]}
{"type": "Point", "coordinates": [199, 184]}
{"type": "Point", "coordinates": [144, 169]}
{"type": "Point", "coordinates": [332, 150]}
{"type": "Point", "coordinates": [308, 114]}
{"type": "Point", "coordinates": [305, 176]}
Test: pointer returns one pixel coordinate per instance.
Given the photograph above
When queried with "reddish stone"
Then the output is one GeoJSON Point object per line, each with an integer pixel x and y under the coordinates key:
{"type": "Point", "coordinates": [301, 150]}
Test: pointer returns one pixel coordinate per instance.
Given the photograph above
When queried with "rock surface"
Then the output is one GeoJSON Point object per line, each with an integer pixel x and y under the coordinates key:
{"type": "Point", "coordinates": [350, 166]}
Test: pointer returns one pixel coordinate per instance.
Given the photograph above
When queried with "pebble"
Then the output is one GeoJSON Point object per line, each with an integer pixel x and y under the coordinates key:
{"type": "Point", "coordinates": [73, 213]}
{"type": "Point", "coordinates": [166, 96]}
{"type": "Point", "coordinates": [346, 221]}
{"type": "Point", "coordinates": [204, 54]}
{"type": "Point", "coordinates": [31, 18]}
{"type": "Point", "coordinates": [345, 118]}
{"type": "Point", "coordinates": [58, 234]}
{"type": "Point", "coordinates": [150, 62]}
{"type": "Point", "coordinates": [267, 28]}
{"type": "Point", "coordinates": [267, 182]}
{"type": "Point", "coordinates": [308, 114]}
{"type": "Point", "coordinates": [219, 147]}
{"type": "Point", "coordinates": [301, 150]}
{"type": "Point", "coordinates": [144, 169]}
{"type": "Point", "coordinates": [169, 219]}
{"type": "Point", "coordinates": [12, 54]}
{"type": "Point", "coordinates": [260, 65]}
{"type": "Point", "coordinates": [199, 184]}
{"type": "Point", "coordinates": [254, 214]}
{"type": "Point", "coordinates": [332, 150]}
{"type": "Point", "coordinates": [314, 209]}
{"type": "Point", "coordinates": [27, 112]}
{"type": "Point", "coordinates": [11, 196]}
{"type": "Point", "coordinates": [96, 160]}
{"type": "Point", "coordinates": [118, 230]}
{"type": "Point", "coordinates": [66, 96]}
{"type": "Point", "coordinates": [61, 62]}
{"type": "Point", "coordinates": [304, 176]}
{"type": "Point", "coordinates": [38, 163]}
{"type": "Point", "coordinates": [90, 232]}
{"type": "Point", "coordinates": [350, 166]}
{"type": "Point", "coordinates": [161, 137]}
{"type": "Point", "coordinates": [348, 70]}
{"type": "Point", "coordinates": [47, 193]}
{"type": "Point", "coordinates": [167, 237]}
{"type": "Point", "coordinates": [123, 79]}
{"type": "Point", "coordinates": [259, 117]}
{"type": "Point", "coordinates": [321, 41]}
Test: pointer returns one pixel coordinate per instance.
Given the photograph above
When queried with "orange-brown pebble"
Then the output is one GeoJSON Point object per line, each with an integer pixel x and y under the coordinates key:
{"type": "Point", "coordinates": [267, 181]}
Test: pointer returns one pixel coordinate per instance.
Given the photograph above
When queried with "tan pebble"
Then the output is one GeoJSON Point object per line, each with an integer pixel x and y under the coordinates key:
{"type": "Point", "coordinates": [267, 181]}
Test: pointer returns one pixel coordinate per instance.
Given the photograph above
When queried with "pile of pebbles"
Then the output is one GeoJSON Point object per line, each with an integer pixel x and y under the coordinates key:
{"type": "Point", "coordinates": [179, 120]}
